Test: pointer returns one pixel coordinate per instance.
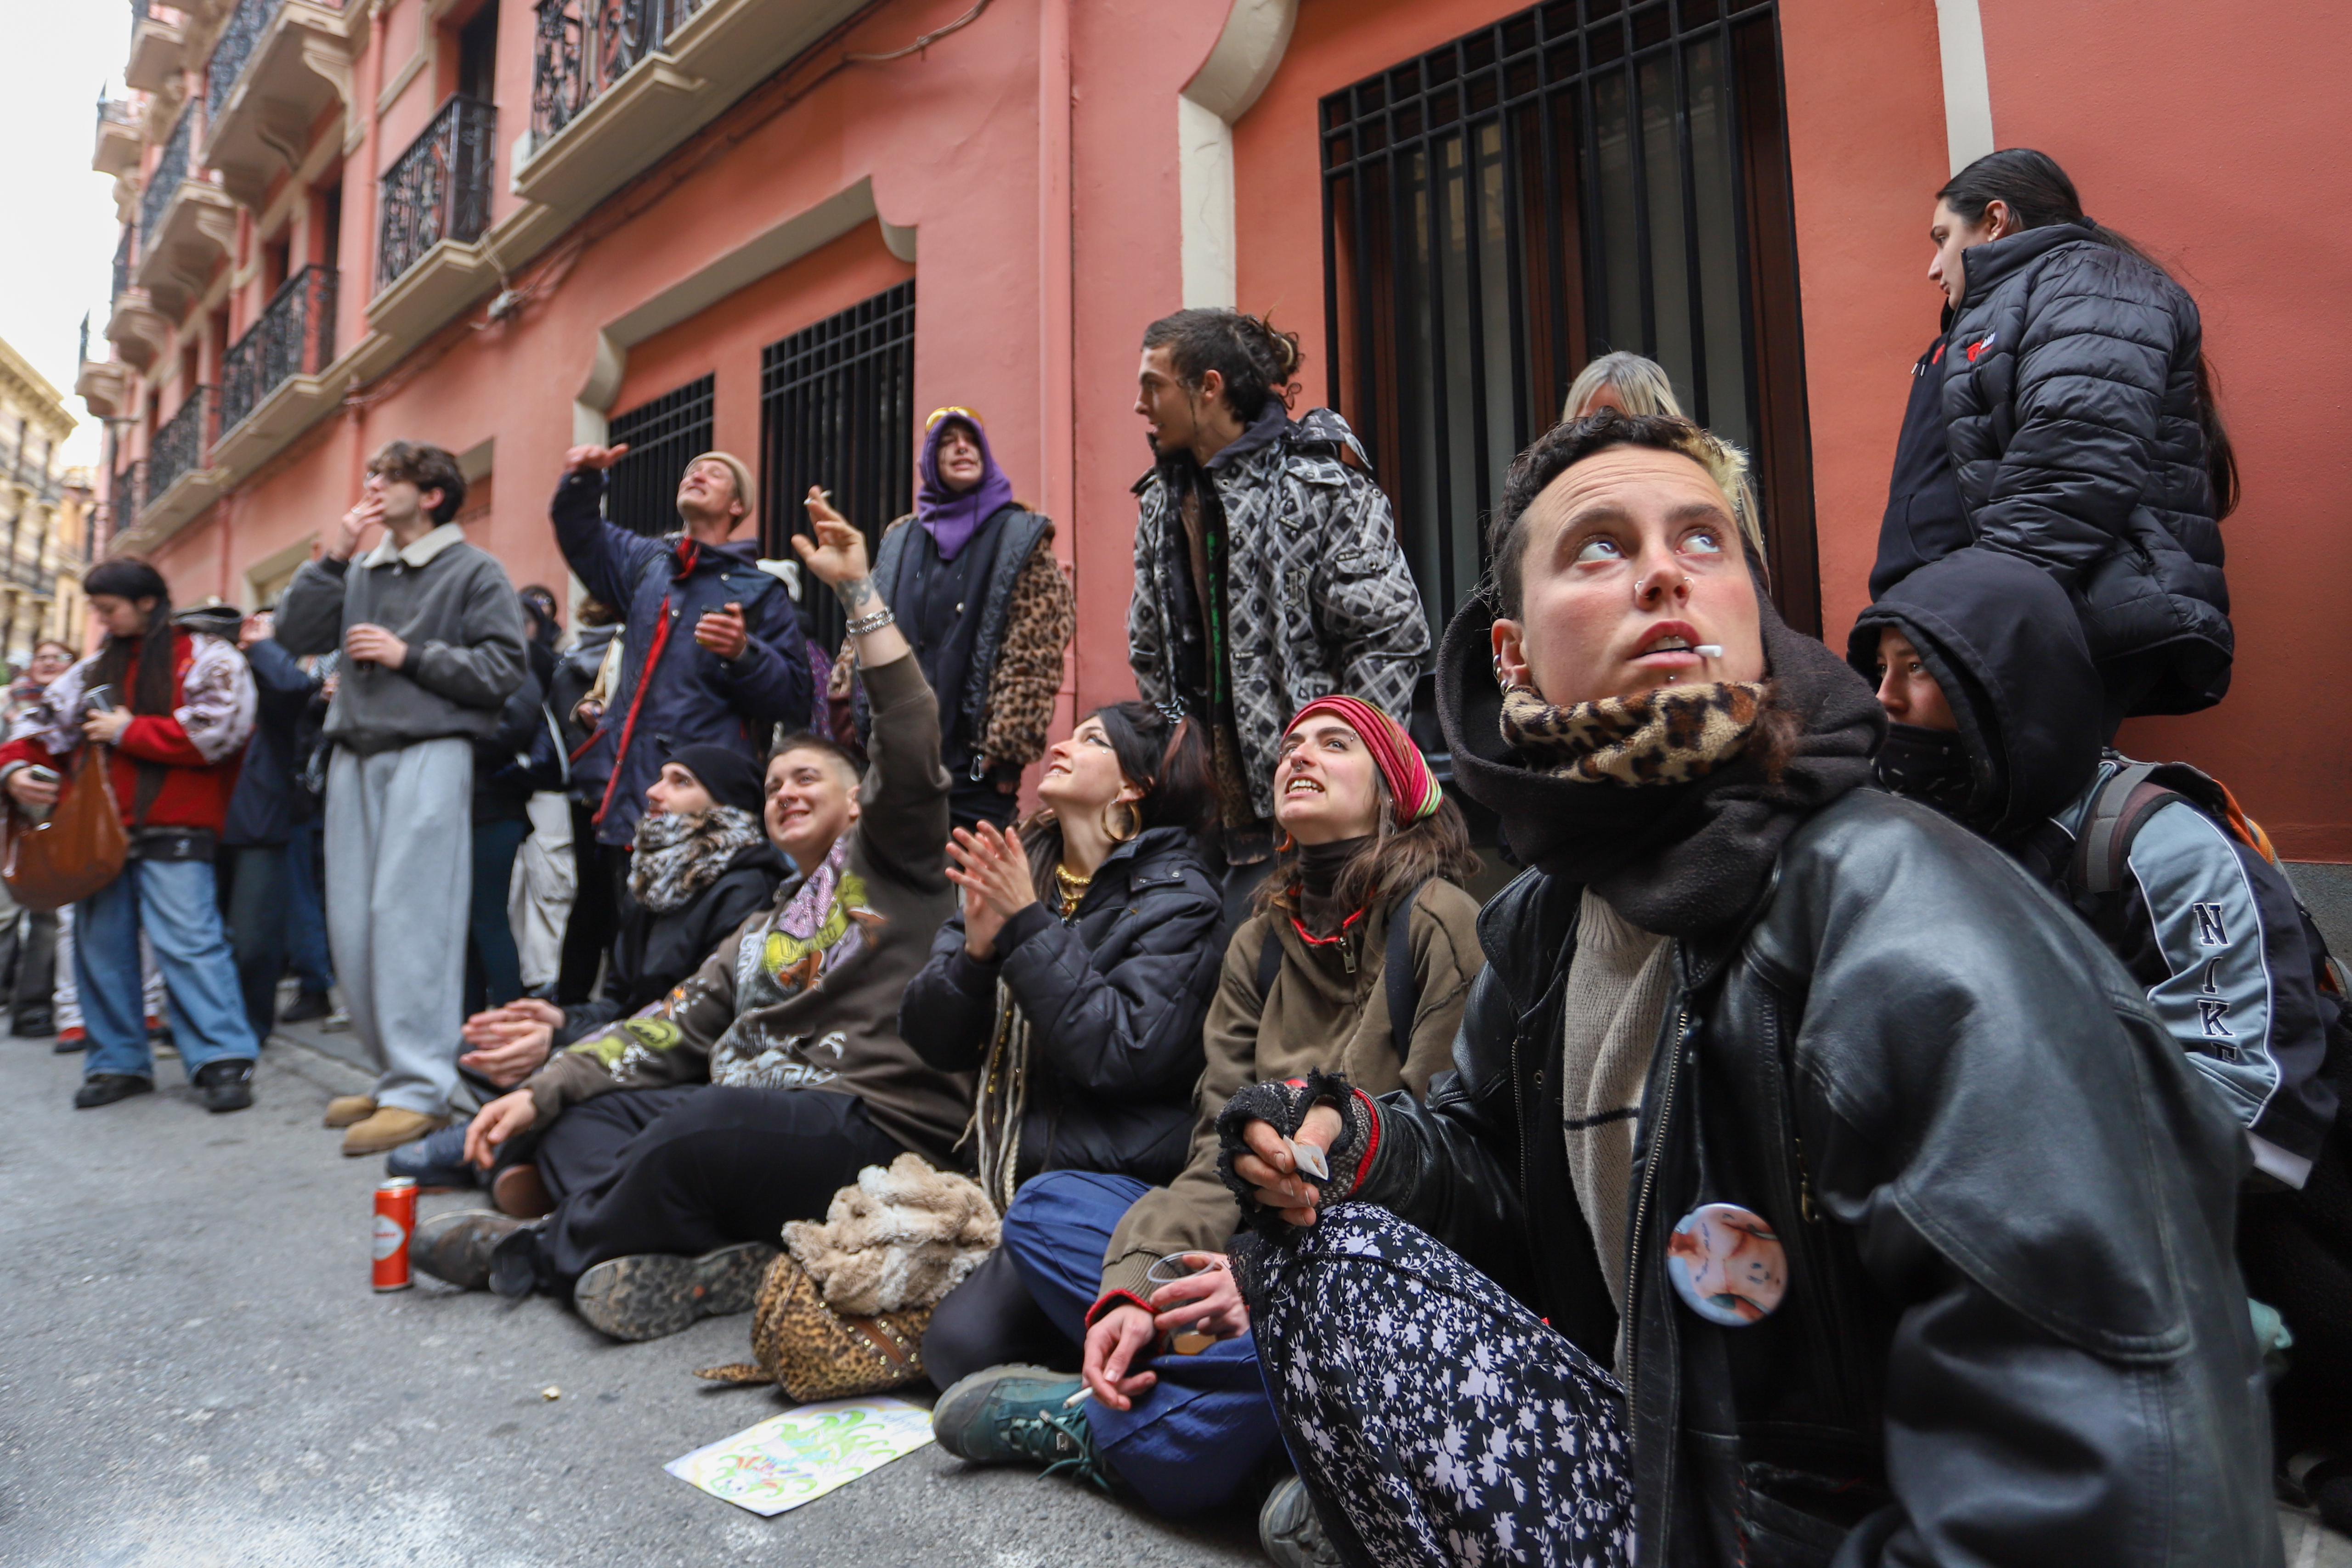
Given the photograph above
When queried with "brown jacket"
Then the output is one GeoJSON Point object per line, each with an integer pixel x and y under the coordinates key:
{"type": "Point", "coordinates": [746, 1018]}
{"type": "Point", "coordinates": [1316, 1014]}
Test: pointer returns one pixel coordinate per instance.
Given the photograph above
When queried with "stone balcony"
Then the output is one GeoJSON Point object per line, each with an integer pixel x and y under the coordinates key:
{"type": "Point", "coordinates": [278, 66]}
{"type": "Point", "coordinates": [158, 40]}
{"type": "Point", "coordinates": [119, 142]}
{"type": "Point", "coordinates": [187, 226]}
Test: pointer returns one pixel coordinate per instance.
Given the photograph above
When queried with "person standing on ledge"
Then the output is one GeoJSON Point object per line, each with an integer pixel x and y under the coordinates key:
{"type": "Point", "coordinates": [1267, 571]}
{"type": "Point", "coordinates": [745, 669]}
{"type": "Point", "coordinates": [433, 645]}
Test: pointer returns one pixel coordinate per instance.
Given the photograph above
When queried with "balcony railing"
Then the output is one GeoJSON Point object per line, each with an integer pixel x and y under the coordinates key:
{"type": "Point", "coordinates": [179, 447]}
{"type": "Point", "coordinates": [235, 47]}
{"type": "Point", "coordinates": [124, 502]}
{"type": "Point", "coordinates": [121, 263]}
{"type": "Point", "coordinates": [586, 45]}
{"type": "Point", "coordinates": [114, 111]}
{"type": "Point", "coordinates": [439, 189]}
{"type": "Point", "coordinates": [295, 336]}
{"type": "Point", "coordinates": [168, 172]}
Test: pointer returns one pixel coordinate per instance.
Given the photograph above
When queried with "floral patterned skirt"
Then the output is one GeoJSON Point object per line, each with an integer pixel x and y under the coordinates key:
{"type": "Point", "coordinates": [1434, 1419]}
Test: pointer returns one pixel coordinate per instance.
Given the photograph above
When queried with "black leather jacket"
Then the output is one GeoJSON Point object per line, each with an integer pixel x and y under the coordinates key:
{"type": "Point", "coordinates": [2013, 1332]}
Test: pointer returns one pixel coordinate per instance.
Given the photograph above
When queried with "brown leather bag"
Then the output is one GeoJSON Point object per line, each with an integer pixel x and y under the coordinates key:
{"type": "Point", "coordinates": [81, 847]}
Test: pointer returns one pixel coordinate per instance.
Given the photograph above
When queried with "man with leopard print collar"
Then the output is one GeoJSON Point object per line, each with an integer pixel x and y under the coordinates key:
{"type": "Point", "coordinates": [1267, 571]}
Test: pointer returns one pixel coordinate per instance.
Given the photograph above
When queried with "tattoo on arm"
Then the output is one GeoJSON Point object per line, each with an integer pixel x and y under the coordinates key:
{"type": "Point", "coordinates": [857, 595]}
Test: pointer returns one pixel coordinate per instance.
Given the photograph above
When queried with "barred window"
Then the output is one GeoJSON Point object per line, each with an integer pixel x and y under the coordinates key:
{"type": "Point", "coordinates": [1575, 179]}
{"type": "Point", "coordinates": [662, 435]}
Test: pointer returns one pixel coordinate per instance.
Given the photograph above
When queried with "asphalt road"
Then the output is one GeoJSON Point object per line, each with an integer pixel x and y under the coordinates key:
{"type": "Point", "coordinates": [193, 1371]}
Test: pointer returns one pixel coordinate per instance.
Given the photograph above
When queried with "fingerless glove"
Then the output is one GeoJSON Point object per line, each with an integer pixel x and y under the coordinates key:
{"type": "Point", "coordinates": [1283, 1106]}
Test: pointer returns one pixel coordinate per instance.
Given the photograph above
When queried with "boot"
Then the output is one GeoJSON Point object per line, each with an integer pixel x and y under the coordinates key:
{"type": "Point", "coordinates": [388, 1129]}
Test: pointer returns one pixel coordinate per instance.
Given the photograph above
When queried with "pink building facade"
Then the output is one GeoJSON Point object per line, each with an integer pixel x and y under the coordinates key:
{"type": "Point", "coordinates": [789, 228]}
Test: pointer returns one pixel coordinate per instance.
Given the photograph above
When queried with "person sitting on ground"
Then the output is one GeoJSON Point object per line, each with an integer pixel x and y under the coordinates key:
{"type": "Point", "coordinates": [1904, 1223]}
{"type": "Point", "coordinates": [1073, 981]}
{"type": "Point", "coordinates": [996, 670]}
{"type": "Point", "coordinates": [775, 1072]}
{"type": "Point", "coordinates": [1994, 707]}
{"type": "Point", "coordinates": [1320, 979]}
{"type": "Point", "coordinates": [177, 709]}
{"type": "Point", "coordinates": [703, 866]}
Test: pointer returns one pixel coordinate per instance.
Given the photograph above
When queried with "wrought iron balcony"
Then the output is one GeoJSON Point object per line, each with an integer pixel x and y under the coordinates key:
{"type": "Point", "coordinates": [121, 263]}
{"type": "Point", "coordinates": [125, 500]}
{"type": "Point", "coordinates": [586, 45]}
{"type": "Point", "coordinates": [180, 447]}
{"type": "Point", "coordinates": [235, 47]}
{"type": "Point", "coordinates": [165, 180]}
{"type": "Point", "coordinates": [439, 189]}
{"type": "Point", "coordinates": [295, 336]}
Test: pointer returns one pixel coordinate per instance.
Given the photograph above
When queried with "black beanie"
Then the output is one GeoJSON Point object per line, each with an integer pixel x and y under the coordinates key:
{"type": "Point", "coordinates": [732, 778]}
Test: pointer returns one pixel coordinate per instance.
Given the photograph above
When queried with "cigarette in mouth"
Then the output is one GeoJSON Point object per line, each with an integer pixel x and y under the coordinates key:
{"type": "Point", "coordinates": [1708, 650]}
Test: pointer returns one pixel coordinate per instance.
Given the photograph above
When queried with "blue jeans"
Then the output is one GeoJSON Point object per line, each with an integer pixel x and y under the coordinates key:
{"type": "Point", "coordinates": [174, 902]}
{"type": "Point", "coordinates": [1191, 1441]}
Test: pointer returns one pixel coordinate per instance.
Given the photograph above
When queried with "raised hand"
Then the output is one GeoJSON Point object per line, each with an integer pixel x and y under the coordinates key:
{"type": "Point", "coordinates": [351, 533]}
{"type": "Point", "coordinates": [581, 457]}
{"type": "Point", "coordinates": [837, 557]}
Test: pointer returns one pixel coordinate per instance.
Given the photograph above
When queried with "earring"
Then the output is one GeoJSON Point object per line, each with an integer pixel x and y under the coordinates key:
{"type": "Point", "coordinates": [1501, 679]}
{"type": "Point", "coordinates": [1134, 822]}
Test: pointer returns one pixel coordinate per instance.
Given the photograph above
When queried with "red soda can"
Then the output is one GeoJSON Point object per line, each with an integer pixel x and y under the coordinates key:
{"type": "Point", "coordinates": [395, 1221]}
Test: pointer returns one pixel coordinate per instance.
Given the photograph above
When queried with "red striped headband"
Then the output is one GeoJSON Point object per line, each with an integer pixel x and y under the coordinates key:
{"type": "Point", "coordinates": [1412, 785]}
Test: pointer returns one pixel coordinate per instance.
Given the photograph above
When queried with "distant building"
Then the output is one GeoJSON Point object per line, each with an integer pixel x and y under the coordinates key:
{"type": "Point", "coordinates": [790, 228]}
{"type": "Point", "coordinates": [33, 424]}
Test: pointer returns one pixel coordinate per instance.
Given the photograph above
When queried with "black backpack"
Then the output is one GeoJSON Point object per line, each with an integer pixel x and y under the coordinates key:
{"type": "Point", "coordinates": [1403, 985]}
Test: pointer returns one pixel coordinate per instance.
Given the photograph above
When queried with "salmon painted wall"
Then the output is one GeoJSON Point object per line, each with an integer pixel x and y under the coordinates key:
{"type": "Point", "coordinates": [2209, 145]}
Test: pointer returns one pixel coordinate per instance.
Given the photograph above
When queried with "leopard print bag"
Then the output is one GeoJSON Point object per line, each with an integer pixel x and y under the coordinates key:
{"type": "Point", "coordinates": [813, 1352]}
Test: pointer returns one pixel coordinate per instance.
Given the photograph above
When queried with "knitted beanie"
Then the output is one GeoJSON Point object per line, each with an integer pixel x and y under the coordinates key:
{"type": "Point", "coordinates": [1412, 785]}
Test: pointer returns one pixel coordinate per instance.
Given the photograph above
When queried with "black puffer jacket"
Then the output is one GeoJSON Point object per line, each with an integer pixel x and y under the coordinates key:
{"type": "Point", "coordinates": [1115, 1000]}
{"type": "Point", "coordinates": [653, 952]}
{"type": "Point", "coordinates": [2013, 1330]}
{"type": "Point", "coordinates": [2071, 409]}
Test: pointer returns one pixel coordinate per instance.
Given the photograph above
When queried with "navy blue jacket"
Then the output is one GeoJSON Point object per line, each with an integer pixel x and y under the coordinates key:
{"type": "Point", "coordinates": [696, 697]}
{"type": "Point", "coordinates": [265, 809]}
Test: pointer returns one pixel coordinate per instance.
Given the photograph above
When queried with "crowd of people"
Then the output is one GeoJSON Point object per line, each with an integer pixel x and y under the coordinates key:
{"type": "Point", "coordinates": [1879, 1122]}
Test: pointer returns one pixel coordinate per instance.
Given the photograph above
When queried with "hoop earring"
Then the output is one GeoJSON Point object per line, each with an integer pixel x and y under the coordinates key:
{"type": "Point", "coordinates": [1134, 822]}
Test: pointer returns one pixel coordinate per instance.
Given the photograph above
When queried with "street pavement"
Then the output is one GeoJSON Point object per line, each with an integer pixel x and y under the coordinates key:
{"type": "Point", "coordinates": [195, 1372]}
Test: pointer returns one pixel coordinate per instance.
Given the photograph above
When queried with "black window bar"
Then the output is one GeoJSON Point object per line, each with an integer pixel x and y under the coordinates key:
{"type": "Point", "coordinates": [170, 170]}
{"type": "Point", "coordinates": [662, 435]}
{"type": "Point", "coordinates": [582, 47]}
{"type": "Point", "coordinates": [294, 336]}
{"type": "Point", "coordinates": [179, 448]}
{"type": "Point", "coordinates": [438, 189]}
{"type": "Point", "coordinates": [838, 410]}
{"type": "Point", "coordinates": [233, 51]}
{"type": "Point", "coordinates": [122, 263]}
{"type": "Point", "coordinates": [1571, 179]}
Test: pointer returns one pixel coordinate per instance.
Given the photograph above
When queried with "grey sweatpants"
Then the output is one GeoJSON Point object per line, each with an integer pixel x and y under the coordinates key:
{"type": "Point", "coordinates": [400, 869]}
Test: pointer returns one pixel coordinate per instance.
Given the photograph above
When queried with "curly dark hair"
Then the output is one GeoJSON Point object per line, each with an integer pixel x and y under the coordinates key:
{"type": "Point", "coordinates": [1253, 360]}
{"type": "Point", "coordinates": [428, 469]}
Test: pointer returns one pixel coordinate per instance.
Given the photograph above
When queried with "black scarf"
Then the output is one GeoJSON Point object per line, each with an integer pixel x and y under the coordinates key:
{"type": "Point", "coordinates": [1675, 859]}
{"type": "Point", "coordinates": [154, 690]}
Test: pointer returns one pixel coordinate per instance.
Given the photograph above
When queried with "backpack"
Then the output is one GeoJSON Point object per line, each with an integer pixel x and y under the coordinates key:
{"type": "Point", "coordinates": [1404, 986]}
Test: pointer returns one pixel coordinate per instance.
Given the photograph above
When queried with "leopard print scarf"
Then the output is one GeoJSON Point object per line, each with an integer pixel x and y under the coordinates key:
{"type": "Point", "coordinates": [1670, 735]}
{"type": "Point", "coordinates": [680, 855]}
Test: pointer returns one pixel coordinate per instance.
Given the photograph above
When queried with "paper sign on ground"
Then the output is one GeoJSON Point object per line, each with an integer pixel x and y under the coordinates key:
{"type": "Point", "coordinates": [803, 1454]}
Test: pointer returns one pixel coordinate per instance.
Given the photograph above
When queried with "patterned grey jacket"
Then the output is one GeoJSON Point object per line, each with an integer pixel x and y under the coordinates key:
{"type": "Point", "coordinates": [1319, 597]}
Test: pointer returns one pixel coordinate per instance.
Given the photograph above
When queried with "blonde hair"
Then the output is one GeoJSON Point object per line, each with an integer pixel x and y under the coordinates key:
{"type": "Point", "coordinates": [1642, 387]}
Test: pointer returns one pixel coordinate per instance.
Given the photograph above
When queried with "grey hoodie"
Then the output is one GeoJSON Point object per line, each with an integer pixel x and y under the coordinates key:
{"type": "Point", "coordinates": [454, 607]}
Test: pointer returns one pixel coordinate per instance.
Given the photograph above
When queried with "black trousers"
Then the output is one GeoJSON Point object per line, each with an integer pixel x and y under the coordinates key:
{"type": "Point", "coordinates": [687, 1170]}
{"type": "Point", "coordinates": [599, 880]}
{"type": "Point", "coordinates": [36, 973]}
{"type": "Point", "coordinates": [989, 1320]}
{"type": "Point", "coordinates": [254, 897]}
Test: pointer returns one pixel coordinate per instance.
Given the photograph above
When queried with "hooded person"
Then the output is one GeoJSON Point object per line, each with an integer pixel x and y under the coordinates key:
{"type": "Point", "coordinates": [1992, 700]}
{"type": "Point", "coordinates": [973, 576]}
{"type": "Point", "coordinates": [1808, 1186]}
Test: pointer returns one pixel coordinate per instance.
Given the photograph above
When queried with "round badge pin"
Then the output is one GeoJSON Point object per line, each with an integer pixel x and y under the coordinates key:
{"type": "Point", "coordinates": [1726, 1264]}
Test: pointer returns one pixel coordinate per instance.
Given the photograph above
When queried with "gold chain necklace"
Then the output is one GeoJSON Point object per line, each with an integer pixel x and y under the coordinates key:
{"type": "Point", "coordinates": [1072, 887]}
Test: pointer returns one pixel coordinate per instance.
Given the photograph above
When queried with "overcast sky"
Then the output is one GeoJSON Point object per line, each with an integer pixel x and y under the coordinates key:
{"type": "Point", "coordinates": [56, 239]}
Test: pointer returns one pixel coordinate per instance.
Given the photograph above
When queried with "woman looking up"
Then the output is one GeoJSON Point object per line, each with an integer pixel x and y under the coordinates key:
{"type": "Point", "coordinates": [2099, 455]}
{"type": "Point", "coordinates": [1073, 980]}
{"type": "Point", "coordinates": [1321, 979]}
{"type": "Point", "coordinates": [987, 610]}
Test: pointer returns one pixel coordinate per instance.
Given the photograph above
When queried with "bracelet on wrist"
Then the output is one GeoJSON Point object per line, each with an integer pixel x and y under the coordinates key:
{"type": "Point", "coordinates": [866, 625]}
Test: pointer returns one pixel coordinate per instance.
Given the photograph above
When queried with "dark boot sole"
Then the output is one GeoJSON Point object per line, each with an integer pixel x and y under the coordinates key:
{"type": "Point", "coordinates": [658, 1293]}
{"type": "Point", "coordinates": [114, 1097]}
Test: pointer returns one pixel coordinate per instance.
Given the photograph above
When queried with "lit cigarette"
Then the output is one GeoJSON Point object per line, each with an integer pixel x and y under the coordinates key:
{"type": "Point", "coordinates": [1708, 650]}
{"type": "Point", "coordinates": [1080, 1397]}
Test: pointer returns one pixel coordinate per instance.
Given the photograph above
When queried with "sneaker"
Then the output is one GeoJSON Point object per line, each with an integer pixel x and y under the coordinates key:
{"type": "Point", "coordinates": [226, 1084]}
{"type": "Point", "coordinates": [335, 1022]}
{"type": "Point", "coordinates": [1016, 1415]}
{"type": "Point", "coordinates": [70, 1041]}
{"type": "Point", "coordinates": [348, 1110]}
{"type": "Point", "coordinates": [658, 1293]}
{"type": "Point", "coordinates": [106, 1087]}
{"type": "Point", "coordinates": [461, 1247]}
{"type": "Point", "coordinates": [1288, 1531]}
{"type": "Point", "coordinates": [389, 1128]}
{"type": "Point", "coordinates": [306, 1008]}
{"type": "Point", "coordinates": [37, 1025]}
{"type": "Point", "coordinates": [435, 1163]}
